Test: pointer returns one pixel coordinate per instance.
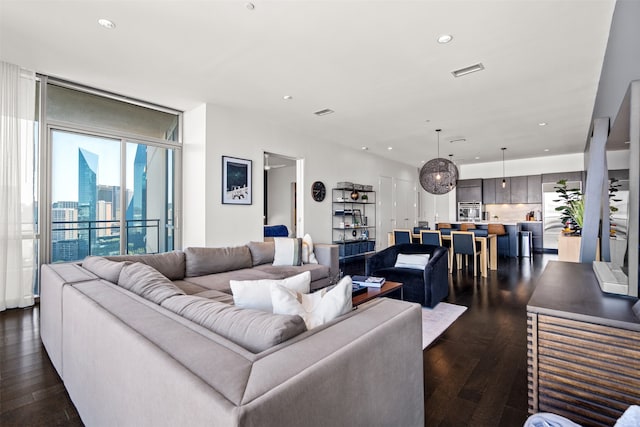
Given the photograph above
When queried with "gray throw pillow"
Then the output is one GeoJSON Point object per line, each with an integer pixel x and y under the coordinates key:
{"type": "Point", "coordinates": [103, 268]}
{"type": "Point", "coordinates": [262, 252]}
{"type": "Point", "coordinates": [147, 282]}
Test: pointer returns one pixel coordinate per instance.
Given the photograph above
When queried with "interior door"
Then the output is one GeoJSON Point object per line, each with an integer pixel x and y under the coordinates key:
{"type": "Point", "coordinates": [405, 204]}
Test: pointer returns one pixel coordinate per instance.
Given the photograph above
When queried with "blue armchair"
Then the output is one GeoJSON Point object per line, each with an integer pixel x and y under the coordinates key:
{"type": "Point", "coordinates": [427, 287]}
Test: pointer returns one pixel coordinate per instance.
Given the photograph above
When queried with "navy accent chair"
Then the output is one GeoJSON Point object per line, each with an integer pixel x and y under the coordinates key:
{"type": "Point", "coordinates": [445, 231]}
{"type": "Point", "coordinates": [401, 236]}
{"type": "Point", "coordinates": [464, 243]}
{"type": "Point", "coordinates": [427, 287]}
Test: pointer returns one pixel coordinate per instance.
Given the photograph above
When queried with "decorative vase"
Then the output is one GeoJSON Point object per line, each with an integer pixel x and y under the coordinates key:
{"type": "Point", "coordinates": [355, 195]}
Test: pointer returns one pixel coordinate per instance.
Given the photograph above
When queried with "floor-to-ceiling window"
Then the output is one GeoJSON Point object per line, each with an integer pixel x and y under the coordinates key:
{"type": "Point", "coordinates": [111, 172]}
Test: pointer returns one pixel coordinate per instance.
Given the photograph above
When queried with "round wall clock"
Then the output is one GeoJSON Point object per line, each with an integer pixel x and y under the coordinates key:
{"type": "Point", "coordinates": [318, 191]}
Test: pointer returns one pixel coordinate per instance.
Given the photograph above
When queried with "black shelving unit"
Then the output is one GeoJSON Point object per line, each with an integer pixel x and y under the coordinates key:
{"type": "Point", "coordinates": [353, 223]}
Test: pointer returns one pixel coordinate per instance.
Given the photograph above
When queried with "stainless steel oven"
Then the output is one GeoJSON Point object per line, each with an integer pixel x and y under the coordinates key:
{"type": "Point", "coordinates": [469, 211]}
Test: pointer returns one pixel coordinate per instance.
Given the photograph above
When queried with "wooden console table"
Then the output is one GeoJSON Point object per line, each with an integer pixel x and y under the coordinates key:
{"type": "Point", "coordinates": [583, 347]}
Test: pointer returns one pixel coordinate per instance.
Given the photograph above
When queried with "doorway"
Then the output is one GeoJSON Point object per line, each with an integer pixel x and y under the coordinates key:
{"type": "Point", "coordinates": [280, 191]}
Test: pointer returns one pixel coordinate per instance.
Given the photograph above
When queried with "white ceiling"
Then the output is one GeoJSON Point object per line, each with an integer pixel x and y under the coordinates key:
{"type": "Point", "coordinates": [376, 63]}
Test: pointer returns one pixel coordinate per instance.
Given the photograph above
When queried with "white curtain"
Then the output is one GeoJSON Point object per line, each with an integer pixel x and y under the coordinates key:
{"type": "Point", "coordinates": [18, 245]}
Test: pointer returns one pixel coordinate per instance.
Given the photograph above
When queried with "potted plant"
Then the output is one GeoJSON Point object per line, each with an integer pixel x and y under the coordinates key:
{"type": "Point", "coordinates": [572, 211]}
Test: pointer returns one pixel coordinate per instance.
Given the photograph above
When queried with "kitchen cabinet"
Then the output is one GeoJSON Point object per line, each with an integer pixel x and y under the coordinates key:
{"type": "Point", "coordinates": [503, 195]}
{"type": "Point", "coordinates": [489, 191]}
{"type": "Point", "coordinates": [534, 189]}
{"type": "Point", "coordinates": [518, 189]}
{"type": "Point", "coordinates": [469, 190]}
{"type": "Point", "coordinates": [555, 177]}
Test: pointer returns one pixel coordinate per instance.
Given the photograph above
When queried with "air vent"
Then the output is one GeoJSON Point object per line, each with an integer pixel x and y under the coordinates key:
{"type": "Point", "coordinates": [468, 70]}
{"type": "Point", "coordinates": [324, 112]}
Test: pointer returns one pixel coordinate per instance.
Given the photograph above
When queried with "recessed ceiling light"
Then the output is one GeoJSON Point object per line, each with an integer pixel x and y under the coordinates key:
{"type": "Point", "coordinates": [444, 38]}
{"type": "Point", "coordinates": [422, 161]}
{"type": "Point", "coordinates": [365, 148]}
{"type": "Point", "coordinates": [627, 142]}
{"type": "Point", "coordinates": [324, 112]}
{"type": "Point", "coordinates": [468, 70]}
{"type": "Point", "coordinates": [542, 124]}
{"type": "Point", "coordinates": [546, 149]}
{"type": "Point", "coordinates": [250, 6]}
{"type": "Point", "coordinates": [106, 23]}
{"type": "Point", "coordinates": [389, 148]}
{"type": "Point", "coordinates": [477, 158]}
{"type": "Point", "coordinates": [287, 97]}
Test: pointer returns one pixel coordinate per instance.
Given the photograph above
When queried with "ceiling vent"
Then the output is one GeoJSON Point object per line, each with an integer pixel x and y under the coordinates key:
{"type": "Point", "coordinates": [324, 112]}
{"type": "Point", "coordinates": [468, 70]}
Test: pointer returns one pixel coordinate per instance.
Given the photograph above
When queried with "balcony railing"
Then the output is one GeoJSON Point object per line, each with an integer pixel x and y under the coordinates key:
{"type": "Point", "coordinates": [102, 237]}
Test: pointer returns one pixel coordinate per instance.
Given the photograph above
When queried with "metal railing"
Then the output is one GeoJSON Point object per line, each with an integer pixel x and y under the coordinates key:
{"type": "Point", "coordinates": [101, 237]}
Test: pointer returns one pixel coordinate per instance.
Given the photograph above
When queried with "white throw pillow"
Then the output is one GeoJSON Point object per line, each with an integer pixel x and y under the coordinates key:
{"type": "Point", "coordinates": [287, 251]}
{"type": "Point", "coordinates": [415, 261]}
{"type": "Point", "coordinates": [308, 257]}
{"type": "Point", "coordinates": [317, 308]}
{"type": "Point", "coordinates": [256, 294]}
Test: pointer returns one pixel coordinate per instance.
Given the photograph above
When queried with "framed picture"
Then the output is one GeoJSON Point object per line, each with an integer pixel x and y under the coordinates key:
{"type": "Point", "coordinates": [236, 181]}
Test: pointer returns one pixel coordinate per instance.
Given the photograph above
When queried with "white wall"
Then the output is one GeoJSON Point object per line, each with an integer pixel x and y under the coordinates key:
{"type": "Point", "coordinates": [280, 201]}
{"type": "Point", "coordinates": [229, 132]}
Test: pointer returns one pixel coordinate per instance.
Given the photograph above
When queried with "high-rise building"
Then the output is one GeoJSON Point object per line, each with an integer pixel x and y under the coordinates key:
{"type": "Point", "coordinates": [137, 208]}
{"type": "Point", "coordinates": [87, 199]}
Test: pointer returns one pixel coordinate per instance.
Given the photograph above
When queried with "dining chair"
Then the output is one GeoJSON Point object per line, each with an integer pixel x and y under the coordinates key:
{"type": "Point", "coordinates": [464, 243]}
{"type": "Point", "coordinates": [401, 236]}
{"type": "Point", "coordinates": [502, 238]}
{"type": "Point", "coordinates": [430, 237]}
{"type": "Point", "coordinates": [465, 226]}
{"type": "Point", "coordinates": [442, 225]}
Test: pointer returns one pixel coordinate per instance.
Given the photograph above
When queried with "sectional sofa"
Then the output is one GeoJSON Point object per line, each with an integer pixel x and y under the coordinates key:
{"type": "Point", "coordinates": [156, 340]}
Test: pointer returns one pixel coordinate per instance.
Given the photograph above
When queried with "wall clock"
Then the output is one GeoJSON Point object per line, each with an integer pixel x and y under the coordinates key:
{"type": "Point", "coordinates": [318, 191]}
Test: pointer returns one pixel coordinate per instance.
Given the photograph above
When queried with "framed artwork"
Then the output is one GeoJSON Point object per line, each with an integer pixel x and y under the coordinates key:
{"type": "Point", "coordinates": [236, 181]}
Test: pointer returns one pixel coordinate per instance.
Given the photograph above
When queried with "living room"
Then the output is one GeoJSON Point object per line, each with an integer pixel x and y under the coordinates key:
{"type": "Point", "coordinates": [383, 127]}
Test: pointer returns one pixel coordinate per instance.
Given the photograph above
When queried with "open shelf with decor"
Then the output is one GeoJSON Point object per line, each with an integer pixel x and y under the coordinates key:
{"type": "Point", "coordinates": [353, 210]}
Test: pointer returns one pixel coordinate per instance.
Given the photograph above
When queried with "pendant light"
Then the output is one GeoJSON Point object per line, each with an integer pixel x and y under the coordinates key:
{"type": "Point", "coordinates": [504, 181]}
{"type": "Point", "coordinates": [439, 176]}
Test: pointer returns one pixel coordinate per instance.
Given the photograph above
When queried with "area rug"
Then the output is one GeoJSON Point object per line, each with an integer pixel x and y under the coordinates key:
{"type": "Point", "coordinates": [436, 320]}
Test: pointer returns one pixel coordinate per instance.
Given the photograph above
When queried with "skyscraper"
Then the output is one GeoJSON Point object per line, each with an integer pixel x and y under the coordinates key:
{"type": "Point", "coordinates": [87, 199]}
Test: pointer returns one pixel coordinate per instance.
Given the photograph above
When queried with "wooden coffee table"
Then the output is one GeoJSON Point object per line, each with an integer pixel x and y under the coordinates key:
{"type": "Point", "coordinates": [372, 293]}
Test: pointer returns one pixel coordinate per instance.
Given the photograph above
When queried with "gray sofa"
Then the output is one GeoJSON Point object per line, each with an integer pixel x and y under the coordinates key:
{"type": "Point", "coordinates": [137, 345]}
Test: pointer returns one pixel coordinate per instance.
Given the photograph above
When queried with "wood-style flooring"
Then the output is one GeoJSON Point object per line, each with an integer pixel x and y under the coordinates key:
{"type": "Point", "coordinates": [475, 373]}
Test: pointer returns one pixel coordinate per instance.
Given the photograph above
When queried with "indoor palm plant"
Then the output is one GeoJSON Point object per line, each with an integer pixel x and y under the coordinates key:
{"type": "Point", "coordinates": [572, 212]}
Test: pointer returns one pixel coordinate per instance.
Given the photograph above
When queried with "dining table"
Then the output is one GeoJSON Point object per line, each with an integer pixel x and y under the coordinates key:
{"type": "Point", "coordinates": [488, 251]}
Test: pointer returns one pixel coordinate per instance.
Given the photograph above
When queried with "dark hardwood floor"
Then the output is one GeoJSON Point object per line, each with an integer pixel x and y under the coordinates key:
{"type": "Point", "coordinates": [475, 373]}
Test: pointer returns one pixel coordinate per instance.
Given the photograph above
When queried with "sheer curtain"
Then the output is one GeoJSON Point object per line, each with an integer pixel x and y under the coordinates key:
{"type": "Point", "coordinates": [18, 261]}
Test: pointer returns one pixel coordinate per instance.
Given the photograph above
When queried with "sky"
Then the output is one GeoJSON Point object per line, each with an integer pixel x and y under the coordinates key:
{"type": "Point", "coordinates": [65, 162]}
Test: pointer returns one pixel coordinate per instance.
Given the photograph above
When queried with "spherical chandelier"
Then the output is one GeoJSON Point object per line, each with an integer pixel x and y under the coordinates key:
{"type": "Point", "coordinates": [439, 176]}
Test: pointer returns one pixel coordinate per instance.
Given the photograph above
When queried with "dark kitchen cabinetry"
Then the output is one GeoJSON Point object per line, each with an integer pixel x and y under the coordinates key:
{"type": "Point", "coordinates": [469, 190]}
{"type": "Point", "coordinates": [534, 189]}
{"type": "Point", "coordinates": [518, 189]}
{"type": "Point", "coordinates": [489, 191]}
{"type": "Point", "coordinates": [555, 177]}
{"type": "Point", "coordinates": [503, 195]}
